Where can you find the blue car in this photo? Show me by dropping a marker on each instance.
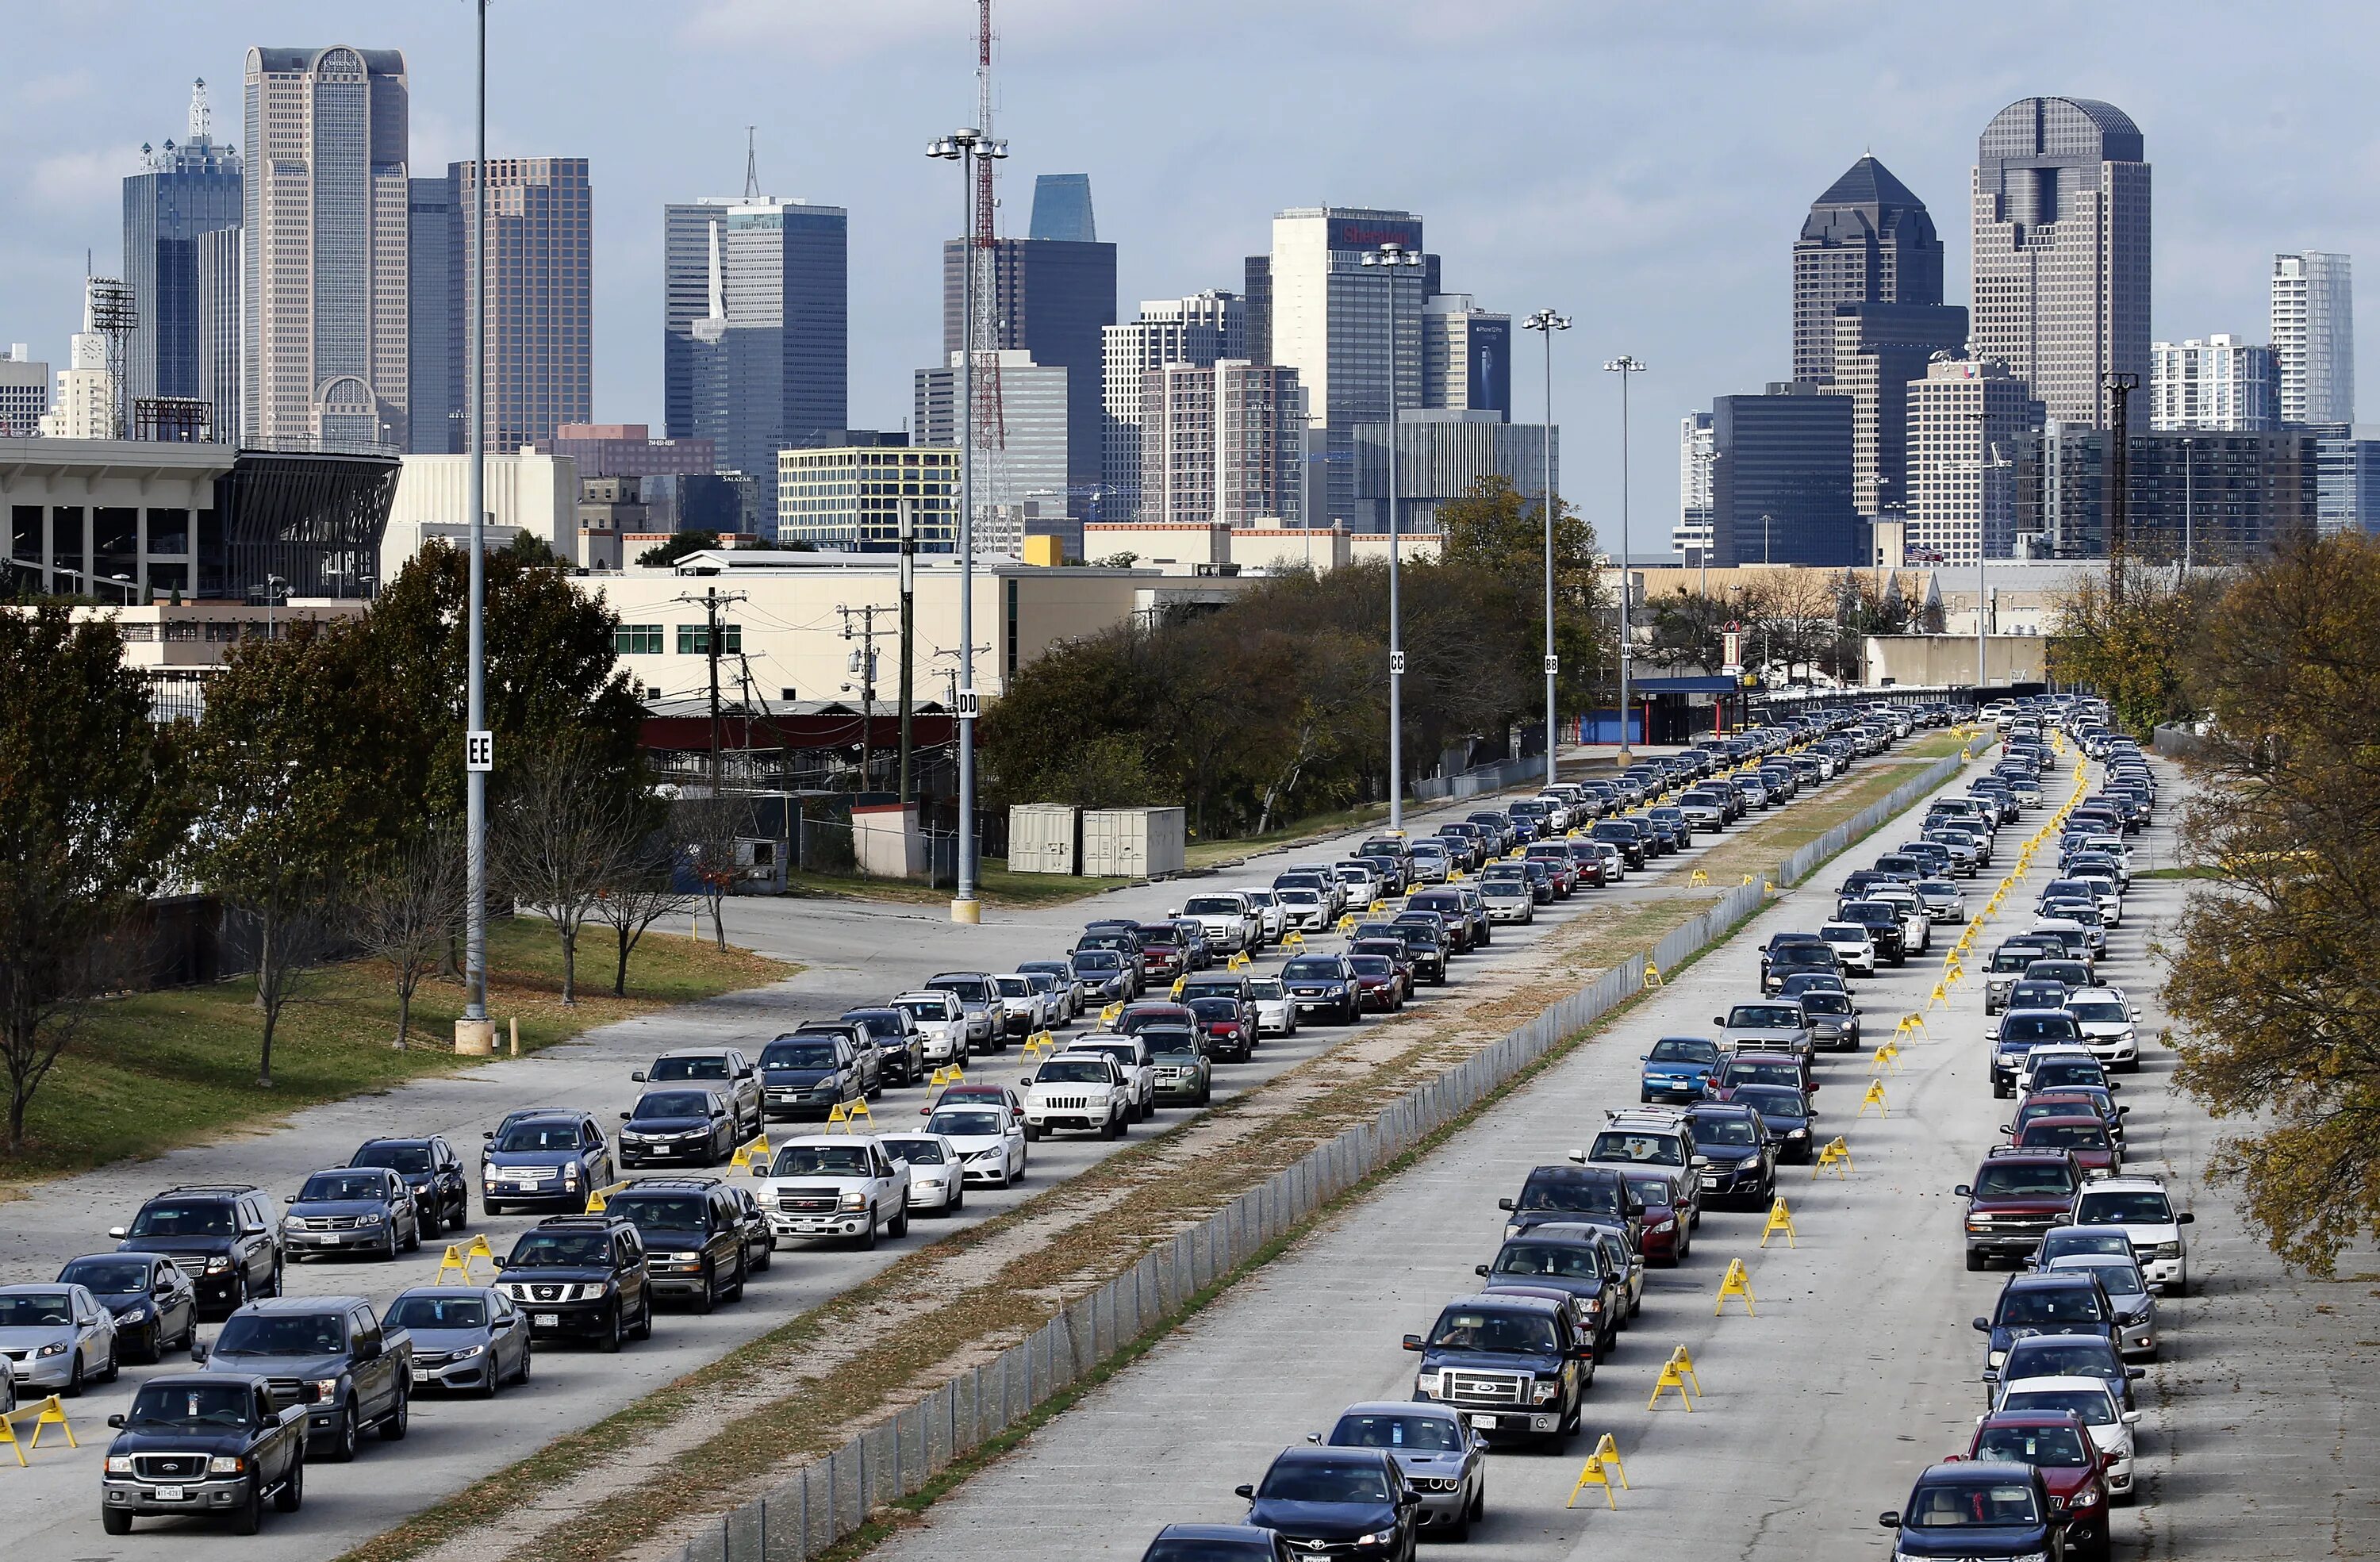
(1787, 1113)
(1679, 1068)
(1978, 1510)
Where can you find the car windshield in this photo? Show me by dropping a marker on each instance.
(560, 1250)
(1169, 1041)
(2065, 1072)
(1073, 1070)
(921, 1152)
(1268, 990)
(971, 1124)
(2050, 1304)
(325, 1187)
(820, 1160)
(2039, 1027)
(2062, 1355)
(1409, 1433)
(1972, 1506)
(107, 1277)
(1724, 1134)
(1479, 1328)
(2053, 1448)
(1763, 1017)
(674, 1104)
(709, 1066)
(207, 1217)
(880, 1022)
(2013, 959)
(1215, 1008)
(1653, 1191)
(1573, 1261)
(2065, 1240)
(2116, 1279)
(1558, 1190)
(2054, 1135)
(1371, 965)
(420, 1312)
(405, 1160)
(800, 1054)
(1843, 932)
(2096, 1406)
(1761, 1073)
(1308, 1480)
(1094, 960)
(2024, 1179)
(1773, 1101)
(940, 1009)
(1645, 1149)
(967, 987)
(1684, 1050)
(538, 1137)
(648, 1213)
(1161, 933)
(34, 1310)
(282, 1334)
(1825, 1003)
(194, 1405)
(1318, 970)
(1210, 905)
(2143, 1208)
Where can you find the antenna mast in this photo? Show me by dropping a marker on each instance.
(751, 163)
(990, 426)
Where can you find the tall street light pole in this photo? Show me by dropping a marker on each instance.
(1545, 322)
(1392, 258)
(1624, 365)
(475, 1032)
(965, 149)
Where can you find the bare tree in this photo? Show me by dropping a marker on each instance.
(570, 820)
(406, 909)
(704, 830)
(643, 890)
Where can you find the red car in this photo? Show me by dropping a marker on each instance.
(1670, 1217)
(2085, 1138)
(1590, 864)
(1398, 955)
(1376, 981)
(2059, 1447)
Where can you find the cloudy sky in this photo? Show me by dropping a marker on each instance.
(1642, 168)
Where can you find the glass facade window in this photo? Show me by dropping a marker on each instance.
(638, 640)
(694, 639)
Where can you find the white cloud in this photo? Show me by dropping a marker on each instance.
(79, 180)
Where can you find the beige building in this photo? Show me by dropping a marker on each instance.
(1934, 661)
(526, 493)
(1199, 548)
(850, 496)
(1964, 417)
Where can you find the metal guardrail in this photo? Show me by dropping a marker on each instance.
(827, 1499)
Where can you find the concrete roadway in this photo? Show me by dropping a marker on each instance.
(1859, 1368)
(853, 953)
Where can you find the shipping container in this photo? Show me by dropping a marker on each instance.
(1133, 842)
(1041, 838)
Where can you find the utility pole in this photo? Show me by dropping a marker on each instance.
(1624, 365)
(863, 662)
(711, 601)
(1545, 322)
(2119, 387)
(475, 1033)
(908, 634)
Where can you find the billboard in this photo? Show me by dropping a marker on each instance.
(1491, 366)
(1370, 233)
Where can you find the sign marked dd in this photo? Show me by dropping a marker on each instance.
(480, 752)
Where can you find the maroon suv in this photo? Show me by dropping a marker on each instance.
(2016, 1196)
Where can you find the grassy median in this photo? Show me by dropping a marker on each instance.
(154, 1072)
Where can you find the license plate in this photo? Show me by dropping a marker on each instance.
(1487, 1421)
(171, 1494)
(422, 1374)
(546, 1320)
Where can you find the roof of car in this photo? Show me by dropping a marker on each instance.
(305, 1304)
(1548, 1303)
(1221, 1532)
(1978, 1472)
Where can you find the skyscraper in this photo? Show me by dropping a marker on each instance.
(1020, 489)
(325, 290)
(1965, 419)
(757, 291)
(1330, 319)
(221, 273)
(24, 393)
(2062, 252)
(2313, 336)
(1061, 208)
(1781, 479)
(435, 345)
(1223, 444)
(1466, 357)
(1052, 298)
(1879, 348)
(1197, 329)
(1693, 537)
(186, 192)
(540, 303)
(2219, 382)
(1867, 241)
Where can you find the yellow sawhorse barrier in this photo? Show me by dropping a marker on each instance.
(1677, 1372)
(1885, 1058)
(1875, 1097)
(1652, 975)
(1735, 1282)
(1602, 1465)
(1114, 1011)
(1837, 1155)
(45, 1412)
(458, 1259)
(952, 1074)
(1780, 1218)
(597, 1200)
(1698, 879)
(1347, 922)
(1293, 940)
(753, 1150)
(1239, 960)
(839, 1120)
(1913, 1021)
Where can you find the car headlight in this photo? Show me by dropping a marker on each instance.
(1547, 1390)
(226, 1464)
(2166, 1250)
(371, 1219)
(1662, 1225)
(683, 1257)
(139, 1314)
(1378, 1537)
(326, 1388)
(218, 1265)
(1995, 1357)
(54, 1348)
(570, 1172)
(467, 1351)
(1799, 1134)
(853, 1201)
(119, 1464)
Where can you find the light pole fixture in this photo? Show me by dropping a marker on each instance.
(965, 147)
(1545, 322)
(1392, 258)
(475, 1033)
(1625, 367)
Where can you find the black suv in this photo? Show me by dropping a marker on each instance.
(583, 1276)
(1570, 1192)
(441, 1193)
(1511, 1362)
(693, 1231)
(222, 1237)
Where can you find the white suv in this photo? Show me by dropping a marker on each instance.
(2141, 1206)
(1131, 1057)
(1019, 997)
(833, 1185)
(941, 1021)
(1852, 944)
(2109, 1024)
(1642, 1138)
(1082, 1092)
(1229, 922)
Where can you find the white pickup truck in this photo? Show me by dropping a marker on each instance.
(831, 1185)
(1230, 922)
(1084, 1092)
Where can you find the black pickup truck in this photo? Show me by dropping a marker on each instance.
(329, 1354)
(204, 1444)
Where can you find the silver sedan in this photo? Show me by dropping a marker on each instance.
(1444, 1461)
(56, 1339)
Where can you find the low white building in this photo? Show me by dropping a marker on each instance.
(526, 493)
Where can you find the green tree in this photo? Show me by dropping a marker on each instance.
(2271, 971)
(2136, 651)
(680, 544)
(90, 806)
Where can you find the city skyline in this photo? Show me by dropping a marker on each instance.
(1606, 238)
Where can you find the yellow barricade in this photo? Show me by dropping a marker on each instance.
(1837, 1155)
(1672, 1376)
(1779, 1219)
(8, 1437)
(1685, 1363)
(1940, 995)
(1875, 1097)
(1602, 1465)
(753, 1149)
(1887, 1058)
(1114, 1011)
(596, 1200)
(50, 1411)
(1347, 922)
(1747, 878)
(1174, 992)
(458, 1259)
(839, 1120)
(1912, 1021)
(1652, 975)
(1697, 878)
(1376, 908)
(952, 1074)
(1293, 940)
(1735, 1282)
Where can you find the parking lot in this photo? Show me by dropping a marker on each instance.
(851, 953)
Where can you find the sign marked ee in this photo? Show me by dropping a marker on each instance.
(479, 752)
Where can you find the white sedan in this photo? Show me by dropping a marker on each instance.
(1276, 1015)
(2110, 1424)
(989, 1143)
(936, 1183)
